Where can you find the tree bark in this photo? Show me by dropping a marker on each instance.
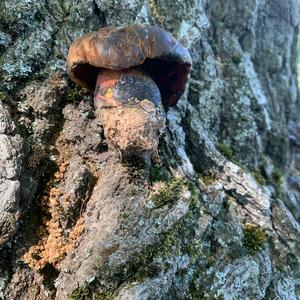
(217, 217)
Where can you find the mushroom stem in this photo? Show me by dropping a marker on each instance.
(116, 87)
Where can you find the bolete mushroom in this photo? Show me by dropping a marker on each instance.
(133, 71)
(137, 61)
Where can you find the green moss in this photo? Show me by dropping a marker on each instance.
(103, 296)
(4, 97)
(177, 241)
(82, 294)
(208, 179)
(87, 294)
(197, 293)
(172, 243)
(135, 167)
(200, 294)
(11, 219)
(236, 58)
(254, 237)
(40, 76)
(133, 162)
(276, 176)
(168, 243)
(76, 94)
(140, 266)
(157, 174)
(194, 200)
(169, 193)
(226, 151)
(41, 231)
(60, 56)
(259, 178)
(280, 268)
(135, 191)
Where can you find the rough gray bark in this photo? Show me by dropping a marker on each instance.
(77, 220)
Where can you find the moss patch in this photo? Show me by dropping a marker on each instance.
(135, 168)
(157, 174)
(157, 256)
(133, 162)
(40, 76)
(259, 178)
(208, 178)
(76, 93)
(198, 292)
(170, 192)
(236, 58)
(226, 151)
(87, 294)
(254, 238)
(276, 176)
(3, 96)
(172, 243)
(81, 293)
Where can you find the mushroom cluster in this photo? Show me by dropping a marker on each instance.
(135, 72)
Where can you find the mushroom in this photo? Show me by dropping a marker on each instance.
(134, 71)
(137, 61)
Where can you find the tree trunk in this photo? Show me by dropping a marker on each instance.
(217, 217)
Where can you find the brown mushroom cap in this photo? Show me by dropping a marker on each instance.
(117, 48)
